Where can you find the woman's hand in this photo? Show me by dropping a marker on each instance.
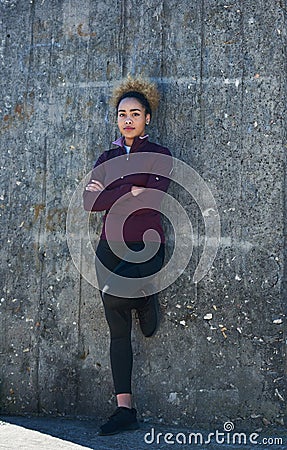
(136, 190)
(95, 186)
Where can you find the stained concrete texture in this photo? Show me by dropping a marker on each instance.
(221, 69)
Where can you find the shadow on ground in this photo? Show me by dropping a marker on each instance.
(48, 433)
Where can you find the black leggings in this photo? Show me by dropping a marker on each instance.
(118, 308)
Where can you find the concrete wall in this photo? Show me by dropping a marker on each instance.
(221, 70)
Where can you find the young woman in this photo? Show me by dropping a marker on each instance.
(128, 182)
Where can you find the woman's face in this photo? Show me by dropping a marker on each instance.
(132, 119)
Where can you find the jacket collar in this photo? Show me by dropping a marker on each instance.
(120, 142)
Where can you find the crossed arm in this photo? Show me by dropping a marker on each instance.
(97, 186)
(97, 197)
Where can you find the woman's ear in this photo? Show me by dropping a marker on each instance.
(147, 119)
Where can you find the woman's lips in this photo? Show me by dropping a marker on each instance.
(128, 128)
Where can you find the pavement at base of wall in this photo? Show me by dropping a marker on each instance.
(62, 433)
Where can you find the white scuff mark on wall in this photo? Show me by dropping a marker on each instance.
(235, 81)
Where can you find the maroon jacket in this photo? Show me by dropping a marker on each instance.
(147, 165)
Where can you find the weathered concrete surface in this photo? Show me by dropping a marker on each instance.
(221, 69)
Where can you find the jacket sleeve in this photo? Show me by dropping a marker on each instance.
(102, 200)
(159, 180)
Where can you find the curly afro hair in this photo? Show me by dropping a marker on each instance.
(142, 89)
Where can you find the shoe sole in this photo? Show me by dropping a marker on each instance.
(131, 427)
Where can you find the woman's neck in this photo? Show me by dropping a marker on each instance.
(128, 142)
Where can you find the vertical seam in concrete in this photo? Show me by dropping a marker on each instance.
(51, 49)
(202, 30)
(38, 245)
(241, 139)
(202, 113)
(162, 40)
(89, 40)
(162, 119)
(284, 138)
(122, 36)
(42, 262)
(285, 159)
(201, 142)
(78, 387)
(31, 50)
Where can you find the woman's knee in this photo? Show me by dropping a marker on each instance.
(118, 317)
(111, 302)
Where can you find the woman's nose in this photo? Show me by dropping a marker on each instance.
(128, 120)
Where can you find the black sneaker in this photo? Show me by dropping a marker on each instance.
(123, 419)
(148, 315)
